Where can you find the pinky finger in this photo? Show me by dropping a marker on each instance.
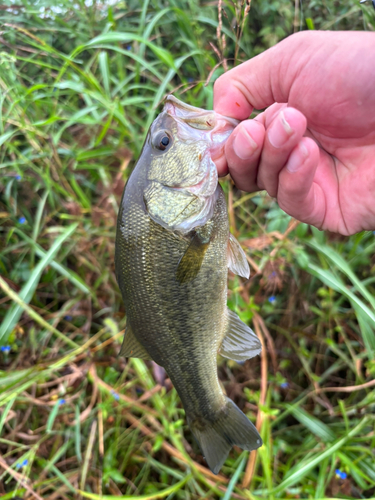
(298, 194)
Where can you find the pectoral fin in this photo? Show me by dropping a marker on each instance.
(191, 262)
(240, 343)
(131, 347)
(237, 261)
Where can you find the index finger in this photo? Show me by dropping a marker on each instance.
(245, 87)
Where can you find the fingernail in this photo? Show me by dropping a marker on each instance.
(297, 158)
(244, 145)
(280, 131)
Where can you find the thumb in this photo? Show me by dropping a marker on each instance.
(263, 80)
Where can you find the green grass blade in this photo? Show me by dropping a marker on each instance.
(38, 216)
(161, 494)
(367, 329)
(334, 282)
(6, 136)
(52, 416)
(77, 433)
(233, 481)
(312, 423)
(33, 314)
(15, 311)
(344, 267)
(63, 479)
(113, 37)
(67, 273)
(304, 469)
(5, 412)
(104, 69)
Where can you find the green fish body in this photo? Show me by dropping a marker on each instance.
(173, 250)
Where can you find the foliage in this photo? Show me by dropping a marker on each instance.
(80, 84)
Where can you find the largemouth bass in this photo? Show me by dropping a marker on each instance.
(173, 250)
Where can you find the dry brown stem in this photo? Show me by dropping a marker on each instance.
(250, 467)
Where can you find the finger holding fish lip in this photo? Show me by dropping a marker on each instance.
(283, 134)
(259, 148)
(242, 153)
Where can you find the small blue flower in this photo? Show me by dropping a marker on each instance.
(61, 401)
(18, 177)
(115, 395)
(68, 317)
(271, 299)
(284, 385)
(22, 464)
(129, 47)
(272, 275)
(22, 220)
(5, 348)
(340, 474)
(190, 80)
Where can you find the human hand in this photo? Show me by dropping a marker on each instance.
(314, 146)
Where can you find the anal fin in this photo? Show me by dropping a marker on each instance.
(131, 347)
(240, 342)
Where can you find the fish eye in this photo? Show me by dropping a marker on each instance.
(162, 141)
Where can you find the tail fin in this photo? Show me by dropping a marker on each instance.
(230, 427)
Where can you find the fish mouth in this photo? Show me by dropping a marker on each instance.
(197, 124)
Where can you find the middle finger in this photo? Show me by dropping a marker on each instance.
(282, 135)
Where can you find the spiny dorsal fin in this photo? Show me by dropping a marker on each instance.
(240, 342)
(237, 261)
(191, 262)
(131, 347)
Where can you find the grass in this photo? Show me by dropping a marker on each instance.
(79, 87)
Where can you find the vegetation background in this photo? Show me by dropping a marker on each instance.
(80, 84)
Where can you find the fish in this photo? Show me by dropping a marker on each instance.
(172, 254)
